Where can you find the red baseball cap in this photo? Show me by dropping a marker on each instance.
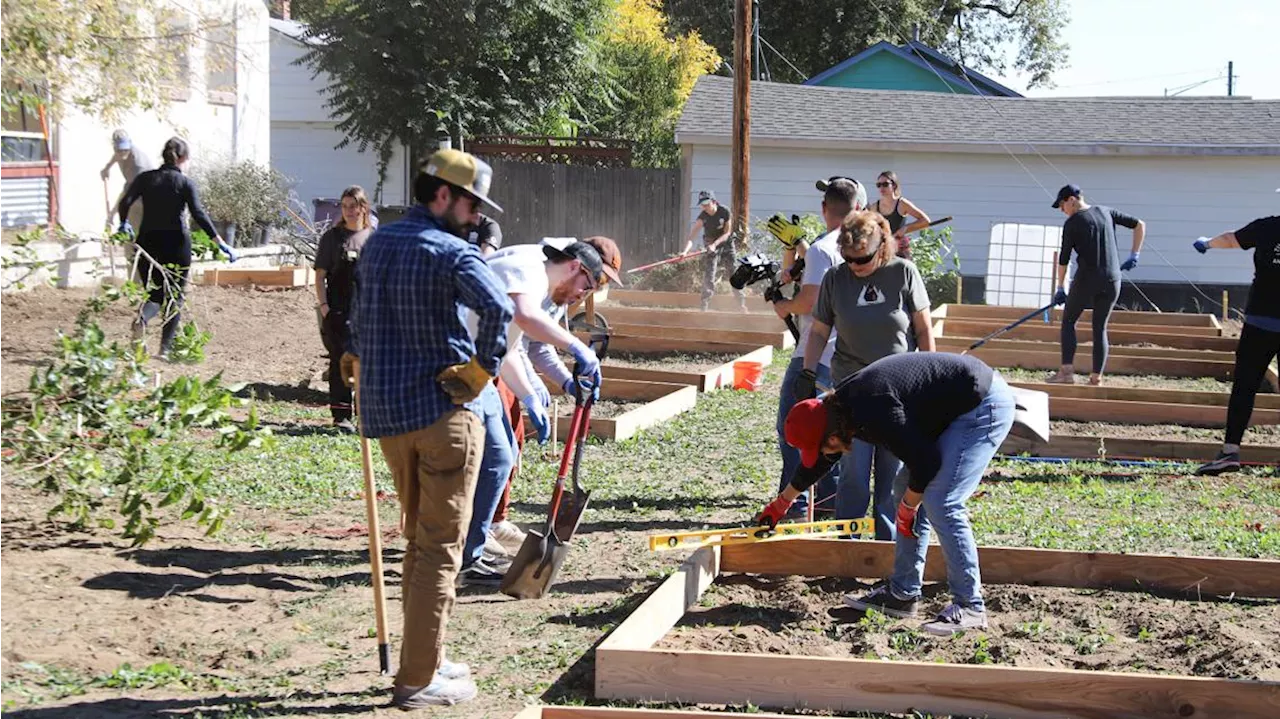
(805, 429)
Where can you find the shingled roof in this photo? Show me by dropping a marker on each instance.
(809, 116)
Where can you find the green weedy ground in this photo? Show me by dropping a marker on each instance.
(713, 466)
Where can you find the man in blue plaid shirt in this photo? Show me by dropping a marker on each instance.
(421, 382)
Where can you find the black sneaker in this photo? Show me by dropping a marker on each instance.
(479, 574)
(1224, 462)
(881, 599)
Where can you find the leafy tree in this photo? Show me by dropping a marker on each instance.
(987, 35)
(399, 73)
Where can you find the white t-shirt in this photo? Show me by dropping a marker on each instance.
(821, 256)
(521, 270)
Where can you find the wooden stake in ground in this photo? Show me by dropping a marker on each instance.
(1225, 306)
(741, 119)
(375, 543)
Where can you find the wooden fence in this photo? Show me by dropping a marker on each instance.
(641, 209)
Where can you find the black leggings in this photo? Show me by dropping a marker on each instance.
(1101, 294)
(1255, 351)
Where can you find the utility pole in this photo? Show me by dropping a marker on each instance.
(1231, 77)
(741, 116)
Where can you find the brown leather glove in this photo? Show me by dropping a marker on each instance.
(350, 366)
(464, 382)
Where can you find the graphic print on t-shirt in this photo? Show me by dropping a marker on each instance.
(870, 296)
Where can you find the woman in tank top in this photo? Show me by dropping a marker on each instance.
(896, 209)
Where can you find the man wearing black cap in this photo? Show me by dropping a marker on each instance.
(713, 220)
(1090, 232)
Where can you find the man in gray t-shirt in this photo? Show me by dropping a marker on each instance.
(133, 162)
(871, 315)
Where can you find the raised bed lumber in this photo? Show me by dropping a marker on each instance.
(668, 317)
(1127, 412)
(629, 343)
(1070, 446)
(279, 277)
(664, 401)
(949, 344)
(1118, 317)
(721, 303)
(1051, 359)
(1187, 338)
(705, 381)
(779, 339)
(568, 712)
(629, 668)
(1143, 394)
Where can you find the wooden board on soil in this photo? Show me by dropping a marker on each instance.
(704, 370)
(626, 407)
(1029, 626)
(1118, 317)
(722, 303)
(1119, 336)
(1144, 381)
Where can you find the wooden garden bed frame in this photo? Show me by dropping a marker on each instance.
(629, 343)
(664, 401)
(669, 317)
(959, 344)
(721, 303)
(1118, 318)
(1162, 336)
(1071, 446)
(284, 276)
(629, 667)
(720, 377)
(1049, 358)
(1134, 405)
(575, 712)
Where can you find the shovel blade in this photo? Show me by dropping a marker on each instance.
(570, 515)
(535, 567)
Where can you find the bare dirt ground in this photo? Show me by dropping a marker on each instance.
(1029, 627)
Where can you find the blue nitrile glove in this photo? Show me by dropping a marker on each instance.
(537, 414)
(587, 364)
(571, 385)
(1060, 297)
(540, 389)
(226, 250)
(1201, 245)
(125, 228)
(1130, 263)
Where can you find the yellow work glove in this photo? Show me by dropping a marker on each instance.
(788, 233)
(464, 382)
(350, 366)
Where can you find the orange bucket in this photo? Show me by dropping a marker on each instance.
(748, 375)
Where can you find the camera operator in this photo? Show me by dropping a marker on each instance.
(841, 195)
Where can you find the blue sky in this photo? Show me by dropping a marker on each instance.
(1141, 47)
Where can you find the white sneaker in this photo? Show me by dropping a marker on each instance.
(494, 548)
(507, 533)
(440, 692)
(453, 670)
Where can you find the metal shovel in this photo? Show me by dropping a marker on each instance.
(538, 562)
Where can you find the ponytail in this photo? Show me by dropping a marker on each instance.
(175, 151)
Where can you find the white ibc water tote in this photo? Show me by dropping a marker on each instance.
(1020, 269)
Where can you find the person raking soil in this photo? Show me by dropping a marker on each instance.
(945, 415)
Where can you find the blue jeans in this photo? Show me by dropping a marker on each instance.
(825, 487)
(495, 468)
(967, 445)
(854, 495)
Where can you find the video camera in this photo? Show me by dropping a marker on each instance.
(756, 267)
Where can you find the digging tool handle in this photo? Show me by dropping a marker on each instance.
(668, 261)
(791, 326)
(576, 425)
(375, 543)
(935, 223)
(582, 442)
(1007, 327)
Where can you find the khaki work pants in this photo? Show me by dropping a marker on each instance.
(435, 471)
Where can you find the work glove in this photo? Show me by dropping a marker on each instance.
(226, 250)
(350, 368)
(773, 512)
(464, 382)
(1130, 263)
(1201, 245)
(536, 411)
(788, 233)
(587, 364)
(540, 389)
(806, 385)
(125, 229)
(907, 517)
(1060, 297)
(573, 385)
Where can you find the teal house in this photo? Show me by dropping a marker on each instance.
(912, 66)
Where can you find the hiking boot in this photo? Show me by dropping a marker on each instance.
(493, 548)
(453, 670)
(480, 574)
(345, 426)
(1224, 462)
(955, 619)
(509, 535)
(882, 599)
(440, 692)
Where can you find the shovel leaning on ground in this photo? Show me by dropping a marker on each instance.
(538, 562)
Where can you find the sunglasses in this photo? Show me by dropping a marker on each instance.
(865, 258)
(591, 281)
(883, 185)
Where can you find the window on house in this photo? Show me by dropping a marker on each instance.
(220, 62)
(21, 139)
(173, 31)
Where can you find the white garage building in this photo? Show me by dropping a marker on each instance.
(1187, 166)
(304, 136)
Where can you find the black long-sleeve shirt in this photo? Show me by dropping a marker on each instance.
(1092, 234)
(904, 402)
(165, 192)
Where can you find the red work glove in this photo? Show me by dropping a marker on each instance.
(907, 519)
(773, 512)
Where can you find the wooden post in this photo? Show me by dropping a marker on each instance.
(1225, 306)
(741, 117)
(959, 288)
(591, 310)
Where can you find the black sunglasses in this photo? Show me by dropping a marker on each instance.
(865, 258)
(884, 184)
